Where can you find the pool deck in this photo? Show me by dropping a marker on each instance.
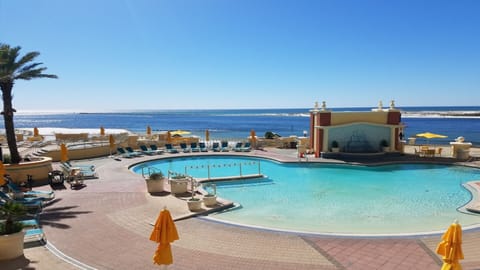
(107, 223)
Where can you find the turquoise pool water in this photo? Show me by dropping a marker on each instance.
(339, 199)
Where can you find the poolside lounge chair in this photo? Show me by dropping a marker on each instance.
(5, 197)
(36, 205)
(48, 195)
(155, 148)
(133, 152)
(89, 167)
(33, 235)
(170, 148)
(238, 147)
(194, 147)
(246, 147)
(225, 147)
(185, 148)
(203, 147)
(147, 151)
(86, 172)
(216, 147)
(123, 153)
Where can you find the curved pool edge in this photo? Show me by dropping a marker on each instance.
(468, 228)
(473, 206)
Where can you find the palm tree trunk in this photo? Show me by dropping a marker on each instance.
(8, 118)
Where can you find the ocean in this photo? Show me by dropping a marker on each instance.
(236, 123)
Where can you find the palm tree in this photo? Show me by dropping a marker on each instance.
(12, 69)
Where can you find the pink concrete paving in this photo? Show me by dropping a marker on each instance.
(106, 225)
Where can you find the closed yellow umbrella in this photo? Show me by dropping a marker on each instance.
(164, 232)
(2, 173)
(63, 153)
(253, 137)
(169, 137)
(35, 132)
(451, 248)
(111, 141)
(102, 131)
(149, 130)
(207, 135)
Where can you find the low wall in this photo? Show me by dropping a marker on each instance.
(39, 170)
(82, 153)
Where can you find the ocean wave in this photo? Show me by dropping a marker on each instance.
(441, 114)
(266, 114)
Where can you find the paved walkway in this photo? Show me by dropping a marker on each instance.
(106, 225)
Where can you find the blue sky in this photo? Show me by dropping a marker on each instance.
(198, 54)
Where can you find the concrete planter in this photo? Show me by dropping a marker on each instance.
(194, 205)
(11, 246)
(178, 186)
(335, 149)
(210, 200)
(155, 185)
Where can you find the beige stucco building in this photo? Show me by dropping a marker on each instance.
(355, 132)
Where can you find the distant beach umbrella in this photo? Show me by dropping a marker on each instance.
(63, 153)
(429, 135)
(3, 171)
(207, 135)
(102, 131)
(451, 247)
(164, 232)
(35, 132)
(149, 130)
(179, 132)
(169, 137)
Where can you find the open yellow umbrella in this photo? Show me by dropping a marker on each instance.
(179, 132)
(35, 132)
(451, 247)
(164, 232)
(63, 153)
(149, 130)
(2, 173)
(207, 135)
(102, 131)
(429, 135)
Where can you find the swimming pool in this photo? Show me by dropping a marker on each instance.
(337, 199)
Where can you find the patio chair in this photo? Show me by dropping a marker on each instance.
(35, 205)
(133, 152)
(216, 147)
(246, 147)
(185, 148)
(123, 153)
(224, 147)
(86, 172)
(194, 147)
(170, 148)
(155, 148)
(48, 195)
(238, 147)
(34, 235)
(203, 147)
(147, 151)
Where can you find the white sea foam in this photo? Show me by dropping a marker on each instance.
(51, 131)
